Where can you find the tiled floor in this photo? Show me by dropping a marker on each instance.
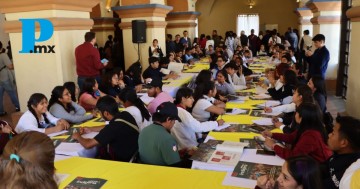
(334, 105)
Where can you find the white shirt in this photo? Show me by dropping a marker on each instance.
(209, 42)
(307, 42)
(199, 111)
(276, 41)
(237, 82)
(135, 112)
(286, 108)
(27, 122)
(184, 131)
(348, 175)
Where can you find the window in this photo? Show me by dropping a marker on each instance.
(246, 22)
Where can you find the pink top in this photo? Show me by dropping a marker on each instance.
(159, 99)
(82, 102)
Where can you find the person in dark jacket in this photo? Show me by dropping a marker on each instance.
(317, 85)
(345, 142)
(290, 81)
(319, 59)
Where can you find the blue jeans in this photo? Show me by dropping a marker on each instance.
(82, 79)
(7, 86)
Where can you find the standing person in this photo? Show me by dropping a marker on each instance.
(178, 45)
(292, 38)
(202, 41)
(28, 162)
(244, 40)
(186, 39)
(155, 50)
(229, 41)
(304, 45)
(216, 38)
(319, 59)
(170, 44)
(118, 139)
(6, 82)
(253, 42)
(88, 63)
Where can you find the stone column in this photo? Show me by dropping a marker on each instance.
(37, 72)
(182, 17)
(154, 14)
(353, 90)
(305, 15)
(326, 20)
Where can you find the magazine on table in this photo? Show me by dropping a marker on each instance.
(235, 128)
(237, 111)
(252, 171)
(88, 183)
(219, 152)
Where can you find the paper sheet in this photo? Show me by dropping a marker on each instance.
(57, 133)
(176, 67)
(269, 103)
(69, 149)
(265, 121)
(225, 125)
(261, 96)
(90, 135)
(236, 111)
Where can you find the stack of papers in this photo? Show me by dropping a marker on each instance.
(69, 149)
(265, 121)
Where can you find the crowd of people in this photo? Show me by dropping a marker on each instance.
(167, 130)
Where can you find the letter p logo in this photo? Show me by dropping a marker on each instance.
(28, 33)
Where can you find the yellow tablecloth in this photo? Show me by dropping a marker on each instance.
(198, 67)
(138, 176)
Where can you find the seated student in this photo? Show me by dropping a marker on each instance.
(73, 90)
(203, 77)
(297, 68)
(222, 83)
(220, 64)
(275, 59)
(156, 145)
(238, 82)
(309, 139)
(345, 143)
(155, 90)
(153, 71)
(300, 172)
(210, 51)
(61, 106)
(302, 94)
(350, 178)
(178, 55)
(28, 162)
(262, 51)
(184, 131)
(285, 93)
(292, 55)
(171, 57)
(90, 94)
(205, 103)
(188, 54)
(198, 53)
(6, 134)
(246, 71)
(118, 139)
(247, 57)
(120, 74)
(37, 118)
(133, 78)
(317, 85)
(110, 84)
(136, 107)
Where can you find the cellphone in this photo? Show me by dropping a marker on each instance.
(265, 152)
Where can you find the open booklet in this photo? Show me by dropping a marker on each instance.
(245, 174)
(88, 183)
(219, 152)
(235, 128)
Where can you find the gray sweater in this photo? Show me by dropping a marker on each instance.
(76, 116)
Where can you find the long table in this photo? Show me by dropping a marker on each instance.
(138, 176)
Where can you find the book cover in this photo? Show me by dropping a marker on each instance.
(256, 113)
(252, 171)
(205, 150)
(260, 128)
(57, 142)
(88, 183)
(245, 93)
(71, 132)
(237, 111)
(253, 144)
(236, 128)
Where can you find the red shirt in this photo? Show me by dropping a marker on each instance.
(310, 143)
(88, 62)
